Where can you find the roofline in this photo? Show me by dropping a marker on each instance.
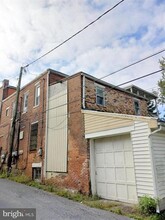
(101, 82)
(111, 85)
(37, 78)
(57, 72)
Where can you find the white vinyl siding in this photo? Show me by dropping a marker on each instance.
(158, 146)
(142, 159)
(57, 129)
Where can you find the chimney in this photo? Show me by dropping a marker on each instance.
(5, 83)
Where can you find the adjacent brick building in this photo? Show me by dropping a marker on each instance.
(50, 131)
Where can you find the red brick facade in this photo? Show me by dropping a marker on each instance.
(32, 115)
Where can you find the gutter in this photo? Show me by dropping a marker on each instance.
(83, 92)
(156, 131)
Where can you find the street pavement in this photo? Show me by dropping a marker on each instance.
(48, 206)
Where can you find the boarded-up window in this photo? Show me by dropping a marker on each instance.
(33, 136)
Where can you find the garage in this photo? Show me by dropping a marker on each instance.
(114, 168)
(127, 155)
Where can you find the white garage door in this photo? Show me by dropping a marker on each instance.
(114, 169)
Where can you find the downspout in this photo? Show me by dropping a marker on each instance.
(154, 167)
(46, 124)
(42, 120)
(83, 93)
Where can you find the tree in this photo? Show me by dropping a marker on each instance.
(161, 91)
(161, 83)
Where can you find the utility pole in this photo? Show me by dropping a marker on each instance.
(12, 131)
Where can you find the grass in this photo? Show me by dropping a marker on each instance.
(131, 211)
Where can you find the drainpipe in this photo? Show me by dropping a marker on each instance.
(46, 124)
(83, 93)
(154, 167)
(156, 131)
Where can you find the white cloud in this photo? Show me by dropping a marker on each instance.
(131, 31)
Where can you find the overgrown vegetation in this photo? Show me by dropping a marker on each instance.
(147, 205)
(144, 211)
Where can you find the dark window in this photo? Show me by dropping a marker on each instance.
(33, 136)
(36, 172)
(137, 107)
(99, 96)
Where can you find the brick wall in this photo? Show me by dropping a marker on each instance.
(33, 114)
(5, 122)
(115, 101)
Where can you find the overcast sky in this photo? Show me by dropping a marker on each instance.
(133, 30)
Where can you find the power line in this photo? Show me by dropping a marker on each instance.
(132, 64)
(78, 32)
(141, 77)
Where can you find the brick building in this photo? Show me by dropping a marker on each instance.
(30, 123)
(50, 129)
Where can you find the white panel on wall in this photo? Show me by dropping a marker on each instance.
(57, 128)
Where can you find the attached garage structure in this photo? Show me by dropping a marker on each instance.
(114, 168)
(127, 156)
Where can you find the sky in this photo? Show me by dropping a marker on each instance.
(130, 32)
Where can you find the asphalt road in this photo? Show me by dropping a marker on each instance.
(48, 207)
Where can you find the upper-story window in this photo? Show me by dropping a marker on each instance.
(25, 102)
(37, 95)
(7, 111)
(100, 99)
(137, 107)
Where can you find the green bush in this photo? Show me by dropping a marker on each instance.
(147, 205)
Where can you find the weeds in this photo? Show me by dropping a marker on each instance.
(145, 210)
(147, 205)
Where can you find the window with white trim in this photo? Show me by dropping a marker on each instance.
(25, 102)
(137, 107)
(100, 99)
(37, 95)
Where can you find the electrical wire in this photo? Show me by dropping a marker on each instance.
(132, 64)
(141, 77)
(78, 32)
